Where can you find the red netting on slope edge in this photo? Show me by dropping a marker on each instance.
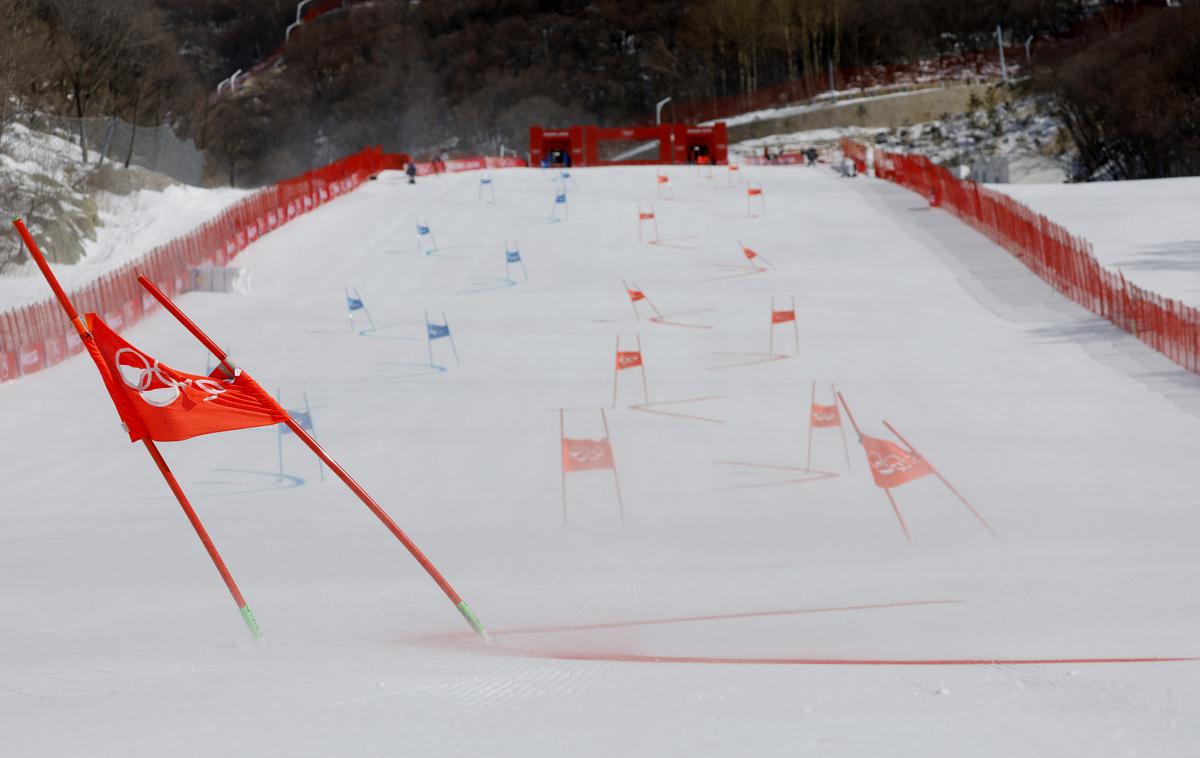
(38, 335)
(1061, 259)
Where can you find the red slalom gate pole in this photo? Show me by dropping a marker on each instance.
(616, 369)
(849, 415)
(841, 426)
(811, 403)
(896, 510)
(632, 302)
(887, 491)
(202, 533)
(616, 479)
(945, 481)
(52, 280)
(771, 340)
(80, 327)
(645, 385)
(562, 441)
(342, 474)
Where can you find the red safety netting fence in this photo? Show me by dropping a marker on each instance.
(35, 336)
(1063, 260)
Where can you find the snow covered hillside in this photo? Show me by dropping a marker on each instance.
(1147, 229)
(748, 606)
(106, 215)
(1021, 138)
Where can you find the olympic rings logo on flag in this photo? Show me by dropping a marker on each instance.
(894, 463)
(824, 415)
(143, 377)
(587, 453)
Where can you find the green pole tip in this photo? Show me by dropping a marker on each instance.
(251, 622)
(474, 621)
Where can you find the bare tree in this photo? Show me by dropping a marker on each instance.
(86, 44)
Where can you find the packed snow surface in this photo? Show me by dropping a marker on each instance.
(747, 608)
(1146, 229)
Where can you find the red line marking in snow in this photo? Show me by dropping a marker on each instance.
(459, 636)
(663, 319)
(712, 617)
(664, 243)
(763, 465)
(635, 658)
(763, 358)
(815, 475)
(464, 639)
(727, 488)
(735, 276)
(647, 409)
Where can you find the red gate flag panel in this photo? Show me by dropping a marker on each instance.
(645, 215)
(892, 465)
(750, 254)
(159, 403)
(587, 455)
(628, 359)
(779, 317)
(636, 295)
(825, 416)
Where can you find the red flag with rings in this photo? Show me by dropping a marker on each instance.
(636, 295)
(779, 317)
(825, 416)
(159, 403)
(892, 465)
(628, 359)
(586, 455)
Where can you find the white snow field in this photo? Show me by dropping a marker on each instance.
(746, 610)
(1147, 229)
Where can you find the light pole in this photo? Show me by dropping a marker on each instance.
(658, 110)
(1000, 44)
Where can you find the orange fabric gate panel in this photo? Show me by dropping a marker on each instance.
(628, 359)
(586, 455)
(892, 465)
(157, 402)
(823, 416)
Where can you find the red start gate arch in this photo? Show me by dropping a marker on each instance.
(608, 146)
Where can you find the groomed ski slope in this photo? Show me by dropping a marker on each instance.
(689, 633)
